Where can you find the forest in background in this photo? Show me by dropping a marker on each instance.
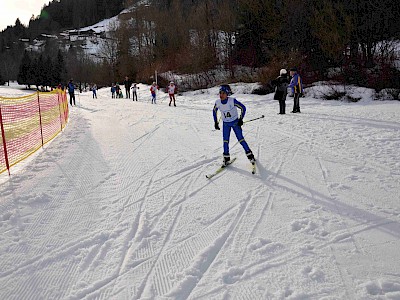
(349, 41)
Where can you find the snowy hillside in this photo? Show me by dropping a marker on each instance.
(118, 206)
(91, 39)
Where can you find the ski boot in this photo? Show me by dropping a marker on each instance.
(226, 161)
(251, 157)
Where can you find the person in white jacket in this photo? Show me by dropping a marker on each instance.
(171, 92)
(134, 89)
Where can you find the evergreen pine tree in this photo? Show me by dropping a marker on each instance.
(24, 69)
(48, 74)
(59, 70)
(1, 79)
(39, 71)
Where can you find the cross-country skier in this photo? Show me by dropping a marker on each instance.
(153, 89)
(171, 92)
(134, 89)
(113, 89)
(231, 120)
(94, 90)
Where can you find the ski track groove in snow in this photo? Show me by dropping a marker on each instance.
(158, 276)
(337, 153)
(218, 245)
(126, 249)
(135, 226)
(346, 280)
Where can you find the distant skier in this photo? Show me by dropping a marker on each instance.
(118, 90)
(281, 83)
(94, 90)
(134, 89)
(71, 91)
(231, 120)
(171, 92)
(113, 90)
(296, 85)
(153, 90)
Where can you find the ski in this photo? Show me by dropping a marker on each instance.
(220, 169)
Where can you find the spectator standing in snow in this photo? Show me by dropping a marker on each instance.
(153, 90)
(71, 91)
(281, 83)
(127, 83)
(171, 92)
(94, 90)
(231, 120)
(113, 90)
(296, 85)
(117, 90)
(134, 91)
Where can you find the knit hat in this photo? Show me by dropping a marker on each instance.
(225, 88)
(282, 72)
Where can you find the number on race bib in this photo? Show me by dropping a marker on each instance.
(227, 115)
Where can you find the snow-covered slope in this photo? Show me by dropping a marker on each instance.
(118, 206)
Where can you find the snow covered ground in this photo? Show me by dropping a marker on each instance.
(118, 206)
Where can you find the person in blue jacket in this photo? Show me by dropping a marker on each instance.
(296, 84)
(71, 91)
(113, 89)
(228, 106)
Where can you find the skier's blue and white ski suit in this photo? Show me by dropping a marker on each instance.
(229, 112)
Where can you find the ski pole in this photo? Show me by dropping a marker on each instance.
(253, 119)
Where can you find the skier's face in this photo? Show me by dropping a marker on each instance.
(222, 95)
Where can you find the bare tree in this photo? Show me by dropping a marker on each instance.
(108, 53)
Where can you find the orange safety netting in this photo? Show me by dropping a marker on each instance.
(29, 122)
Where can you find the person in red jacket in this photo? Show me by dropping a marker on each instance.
(153, 90)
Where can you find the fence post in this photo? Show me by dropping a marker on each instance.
(4, 142)
(59, 107)
(40, 118)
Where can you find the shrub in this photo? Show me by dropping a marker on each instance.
(333, 95)
(353, 99)
(388, 94)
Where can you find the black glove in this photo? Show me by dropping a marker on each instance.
(216, 126)
(240, 122)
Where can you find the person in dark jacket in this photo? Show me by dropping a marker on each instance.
(296, 85)
(113, 90)
(127, 83)
(71, 91)
(281, 85)
(117, 90)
